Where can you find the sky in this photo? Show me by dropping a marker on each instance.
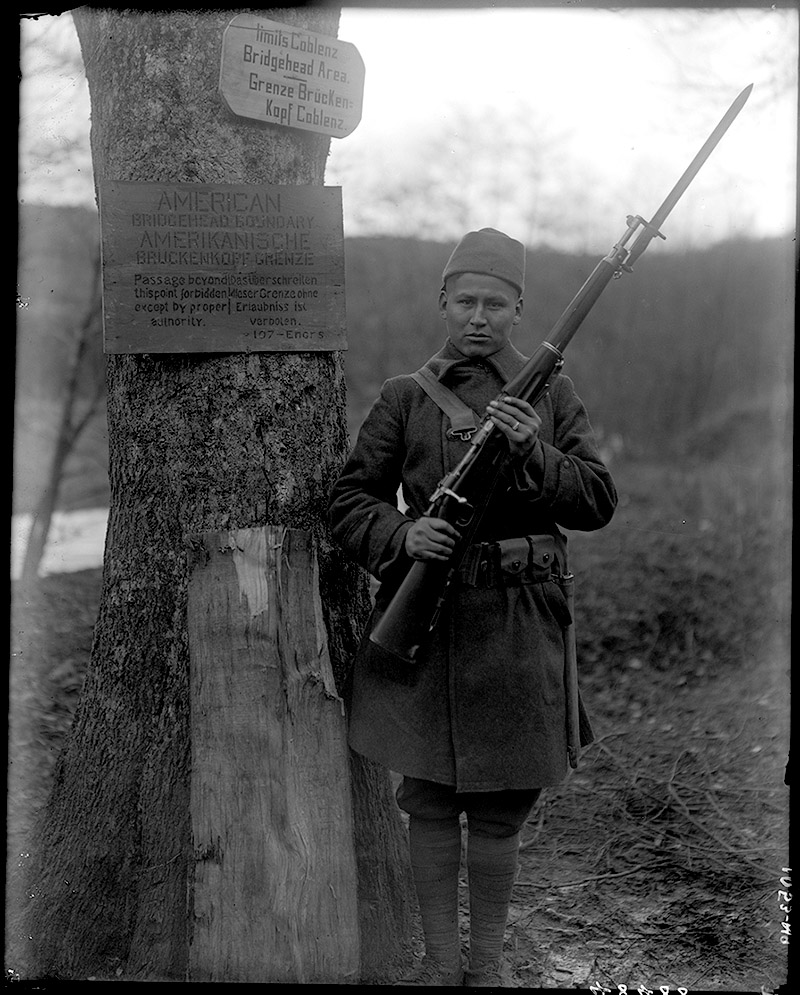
(553, 123)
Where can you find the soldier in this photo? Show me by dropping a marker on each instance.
(479, 727)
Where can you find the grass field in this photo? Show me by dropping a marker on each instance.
(658, 861)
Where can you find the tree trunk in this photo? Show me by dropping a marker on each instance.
(274, 877)
(197, 444)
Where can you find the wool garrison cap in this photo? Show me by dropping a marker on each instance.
(490, 252)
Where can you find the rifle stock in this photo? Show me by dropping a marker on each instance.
(412, 613)
(462, 495)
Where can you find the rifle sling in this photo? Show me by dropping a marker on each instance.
(463, 420)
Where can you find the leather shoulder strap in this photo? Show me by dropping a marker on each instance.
(463, 421)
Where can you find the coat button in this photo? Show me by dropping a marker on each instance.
(516, 565)
(545, 558)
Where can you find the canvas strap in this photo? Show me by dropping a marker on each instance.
(463, 420)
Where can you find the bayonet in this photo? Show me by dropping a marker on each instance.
(652, 229)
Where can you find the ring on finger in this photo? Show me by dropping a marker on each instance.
(515, 426)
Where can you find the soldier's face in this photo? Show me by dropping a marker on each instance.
(480, 312)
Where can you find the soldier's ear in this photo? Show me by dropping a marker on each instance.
(442, 303)
(518, 311)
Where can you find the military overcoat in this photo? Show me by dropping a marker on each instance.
(486, 707)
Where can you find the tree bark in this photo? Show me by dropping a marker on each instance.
(197, 444)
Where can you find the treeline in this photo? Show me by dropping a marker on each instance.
(690, 349)
(692, 352)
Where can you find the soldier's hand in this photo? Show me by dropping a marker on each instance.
(431, 539)
(518, 422)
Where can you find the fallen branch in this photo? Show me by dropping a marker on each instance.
(729, 849)
(596, 877)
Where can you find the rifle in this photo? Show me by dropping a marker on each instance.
(462, 495)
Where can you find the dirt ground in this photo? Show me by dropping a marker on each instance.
(658, 864)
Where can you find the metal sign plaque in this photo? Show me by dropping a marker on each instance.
(190, 267)
(286, 75)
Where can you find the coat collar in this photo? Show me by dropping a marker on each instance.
(507, 362)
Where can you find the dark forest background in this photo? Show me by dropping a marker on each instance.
(688, 357)
(678, 357)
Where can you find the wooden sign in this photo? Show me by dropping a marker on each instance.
(189, 267)
(286, 75)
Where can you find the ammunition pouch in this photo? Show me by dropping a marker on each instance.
(530, 559)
